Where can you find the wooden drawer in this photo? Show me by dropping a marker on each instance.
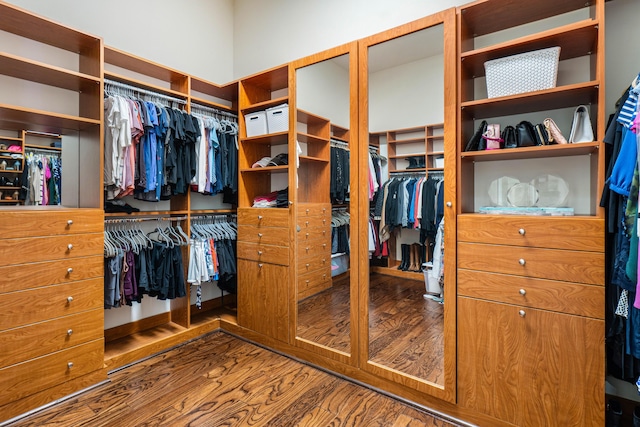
(313, 222)
(563, 297)
(314, 263)
(312, 283)
(36, 305)
(273, 217)
(267, 236)
(35, 275)
(314, 209)
(313, 248)
(575, 233)
(26, 378)
(264, 253)
(34, 223)
(35, 249)
(28, 342)
(314, 233)
(569, 266)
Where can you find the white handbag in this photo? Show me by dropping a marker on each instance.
(581, 130)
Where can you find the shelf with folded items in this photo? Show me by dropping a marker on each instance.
(266, 169)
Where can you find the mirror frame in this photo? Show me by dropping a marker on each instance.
(446, 391)
(352, 50)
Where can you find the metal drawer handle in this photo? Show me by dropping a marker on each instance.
(307, 248)
(259, 265)
(69, 332)
(307, 210)
(307, 223)
(308, 282)
(324, 245)
(308, 265)
(522, 313)
(259, 234)
(449, 204)
(259, 252)
(259, 217)
(70, 222)
(522, 231)
(70, 365)
(523, 292)
(522, 261)
(69, 299)
(307, 235)
(69, 270)
(69, 246)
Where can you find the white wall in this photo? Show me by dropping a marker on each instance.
(195, 36)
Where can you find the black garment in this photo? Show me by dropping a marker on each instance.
(228, 274)
(340, 170)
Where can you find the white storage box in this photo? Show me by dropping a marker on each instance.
(431, 284)
(525, 72)
(278, 118)
(256, 123)
(339, 264)
(438, 162)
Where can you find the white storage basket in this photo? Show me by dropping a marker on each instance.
(278, 118)
(256, 123)
(525, 72)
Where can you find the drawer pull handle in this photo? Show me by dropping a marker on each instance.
(522, 261)
(70, 365)
(324, 210)
(259, 252)
(522, 231)
(324, 276)
(69, 299)
(308, 265)
(259, 217)
(259, 234)
(308, 281)
(522, 313)
(307, 210)
(324, 245)
(307, 235)
(449, 204)
(307, 223)
(324, 221)
(523, 292)
(324, 260)
(69, 270)
(69, 246)
(307, 249)
(69, 332)
(69, 222)
(259, 265)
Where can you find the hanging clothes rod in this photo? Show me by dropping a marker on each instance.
(338, 144)
(206, 109)
(132, 220)
(137, 90)
(408, 174)
(43, 150)
(215, 216)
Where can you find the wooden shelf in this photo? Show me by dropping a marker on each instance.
(575, 40)
(408, 171)
(279, 138)
(393, 271)
(270, 80)
(259, 106)
(404, 156)
(10, 138)
(406, 141)
(313, 159)
(206, 103)
(144, 85)
(543, 100)
(307, 138)
(144, 214)
(18, 118)
(138, 65)
(270, 169)
(538, 152)
(310, 118)
(228, 92)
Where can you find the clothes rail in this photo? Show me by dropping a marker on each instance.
(213, 216)
(43, 150)
(112, 84)
(205, 109)
(133, 220)
(338, 144)
(408, 174)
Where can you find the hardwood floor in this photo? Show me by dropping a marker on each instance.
(219, 380)
(406, 331)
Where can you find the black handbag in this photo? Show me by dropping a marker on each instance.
(477, 142)
(509, 137)
(526, 134)
(542, 136)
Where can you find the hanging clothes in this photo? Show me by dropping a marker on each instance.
(40, 181)
(340, 172)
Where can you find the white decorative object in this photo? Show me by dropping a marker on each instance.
(525, 72)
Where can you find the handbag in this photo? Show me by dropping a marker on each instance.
(542, 136)
(477, 142)
(555, 136)
(525, 134)
(493, 140)
(581, 130)
(509, 137)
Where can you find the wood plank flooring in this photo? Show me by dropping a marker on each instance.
(219, 380)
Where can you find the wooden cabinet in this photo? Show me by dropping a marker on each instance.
(51, 324)
(313, 251)
(416, 149)
(531, 288)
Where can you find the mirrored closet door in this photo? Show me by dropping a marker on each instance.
(325, 149)
(407, 204)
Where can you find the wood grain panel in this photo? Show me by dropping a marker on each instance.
(264, 217)
(563, 297)
(263, 298)
(580, 234)
(312, 222)
(313, 209)
(35, 249)
(570, 266)
(263, 235)
(313, 233)
(36, 223)
(36, 305)
(49, 273)
(264, 253)
(28, 342)
(313, 248)
(490, 346)
(21, 380)
(313, 283)
(314, 262)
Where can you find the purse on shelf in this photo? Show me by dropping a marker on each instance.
(492, 137)
(509, 137)
(476, 142)
(581, 130)
(555, 135)
(525, 134)
(541, 134)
